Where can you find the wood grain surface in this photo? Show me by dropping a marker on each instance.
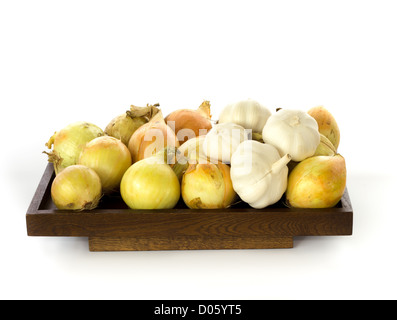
(187, 243)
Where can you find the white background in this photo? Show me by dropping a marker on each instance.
(64, 61)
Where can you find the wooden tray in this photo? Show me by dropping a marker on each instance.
(114, 227)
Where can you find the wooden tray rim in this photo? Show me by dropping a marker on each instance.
(83, 223)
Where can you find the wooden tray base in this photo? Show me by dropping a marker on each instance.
(187, 243)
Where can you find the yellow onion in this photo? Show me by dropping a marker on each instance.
(76, 188)
(109, 157)
(150, 184)
(67, 143)
(207, 185)
(317, 182)
(123, 126)
(151, 138)
(188, 123)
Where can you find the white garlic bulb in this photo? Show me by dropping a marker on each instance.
(222, 140)
(259, 175)
(249, 114)
(292, 132)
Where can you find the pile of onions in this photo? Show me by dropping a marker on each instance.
(110, 159)
(207, 185)
(151, 138)
(76, 188)
(123, 126)
(151, 184)
(189, 123)
(67, 143)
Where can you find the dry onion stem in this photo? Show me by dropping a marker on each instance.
(123, 126)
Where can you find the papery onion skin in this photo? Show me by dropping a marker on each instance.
(325, 148)
(188, 123)
(68, 143)
(207, 186)
(77, 187)
(150, 185)
(327, 124)
(110, 159)
(317, 182)
(123, 126)
(151, 138)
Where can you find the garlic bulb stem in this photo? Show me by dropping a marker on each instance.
(294, 121)
(277, 166)
(280, 164)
